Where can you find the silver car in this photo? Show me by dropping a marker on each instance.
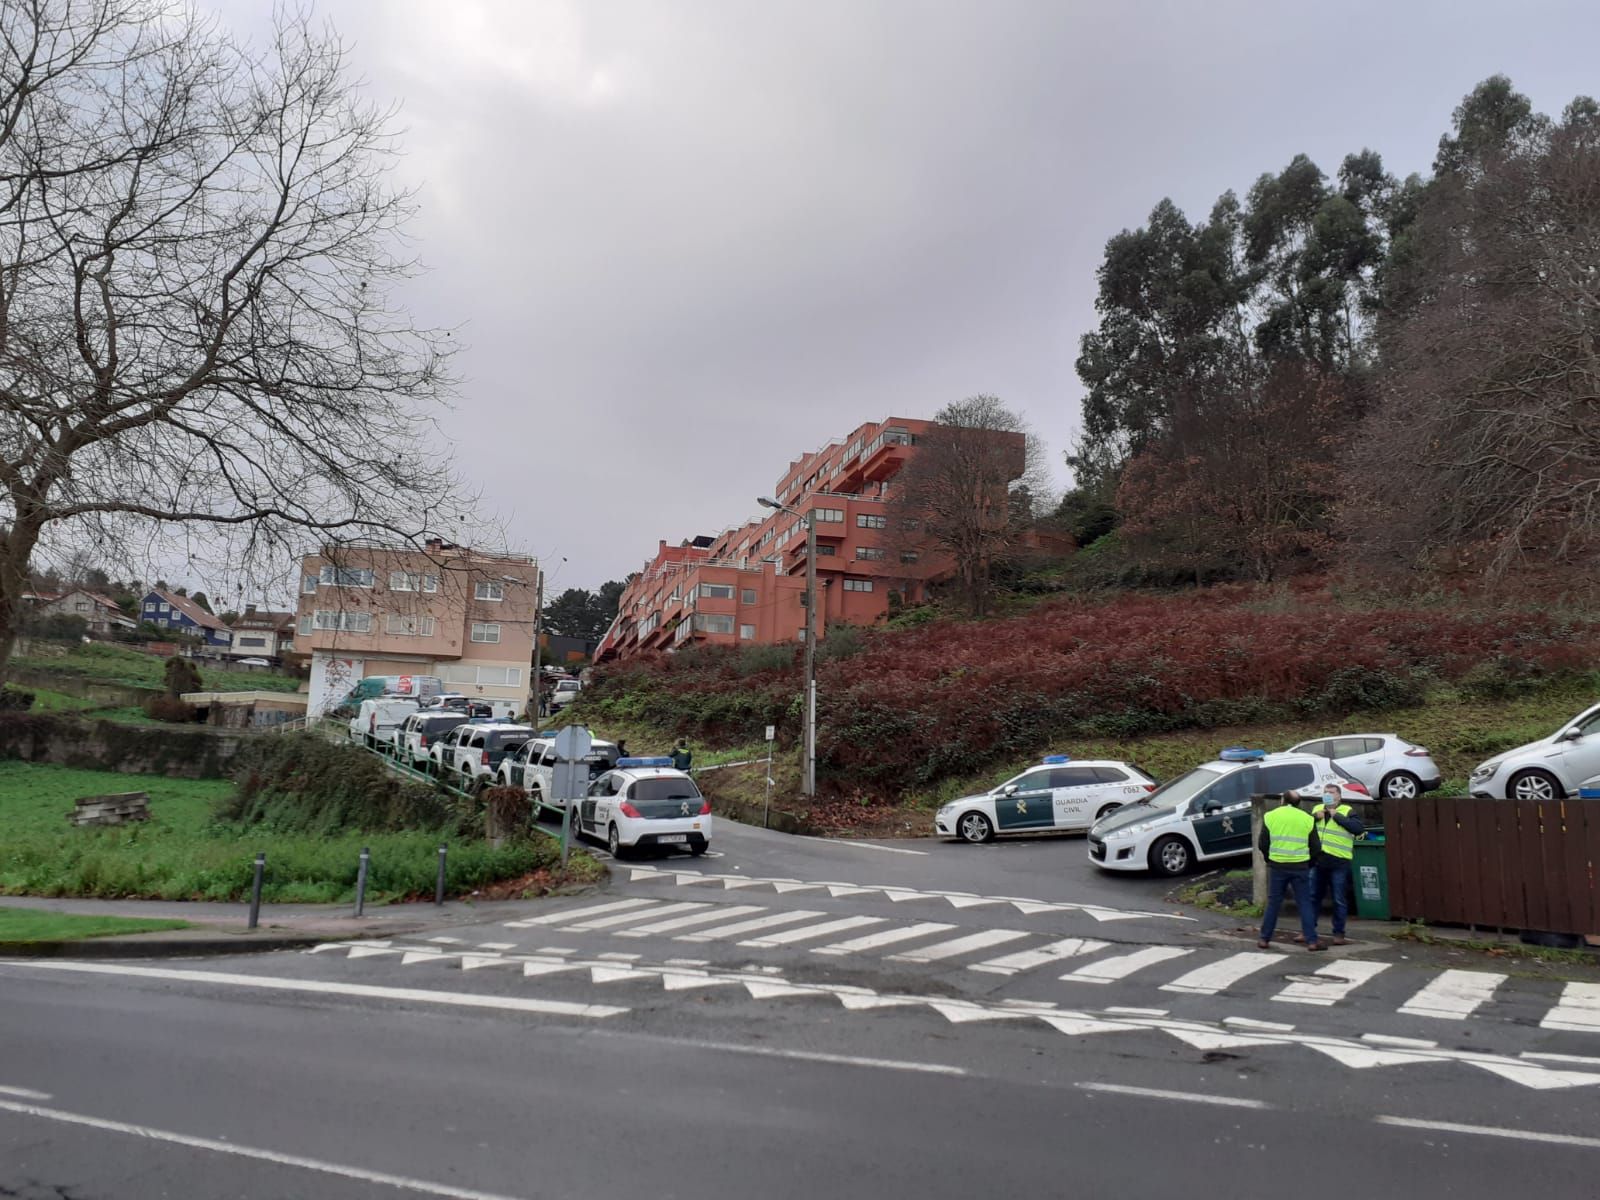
(1548, 769)
(1391, 767)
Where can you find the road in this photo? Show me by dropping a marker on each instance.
(795, 1018)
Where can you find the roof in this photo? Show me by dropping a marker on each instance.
(189, 609)
(264, 620)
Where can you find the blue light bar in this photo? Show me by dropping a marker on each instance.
(644, 762)
(1055, 760)
(1240, 754)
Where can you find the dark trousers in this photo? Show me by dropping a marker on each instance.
(1299, 884)
(1334, 877)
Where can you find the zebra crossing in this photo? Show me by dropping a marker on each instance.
(1202, 971)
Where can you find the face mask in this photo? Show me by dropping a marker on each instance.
(1330, 800)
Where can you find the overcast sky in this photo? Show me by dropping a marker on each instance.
(685, 242)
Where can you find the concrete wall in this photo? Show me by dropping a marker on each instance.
(176, 751)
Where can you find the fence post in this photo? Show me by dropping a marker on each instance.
(438, 888)
(1258, 863)
(361, 880)
(255, 890)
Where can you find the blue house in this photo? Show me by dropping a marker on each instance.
(182, 615)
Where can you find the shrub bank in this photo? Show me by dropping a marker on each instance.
(177, 752)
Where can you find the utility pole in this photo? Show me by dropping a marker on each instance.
(809, 781)
(538, 624)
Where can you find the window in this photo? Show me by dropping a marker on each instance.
(308, 585)
(358, 577)
(251, 642)
(910, 524)
(717, 591)
(401, 626)
(1110, 775)
(747, 595)
(909, 556)
(305, 624)
(482, 632)
(713, 623)
(489, 590)
(868, 521)
(165, 607)
(81, 606)
(1285, 777)
(1070, 777)
(869, 553)
(150, 606)
(827, 551)
(747, 633)
(831, 515)
(412, 581)
(344, 622)
(1346, 748)
(499, 676)
(858, 585)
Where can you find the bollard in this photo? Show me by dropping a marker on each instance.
(361, 881)
(255, 891)
(438, 887)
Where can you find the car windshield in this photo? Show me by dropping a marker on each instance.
(673, 787)
(505, 741)
(1176, 792)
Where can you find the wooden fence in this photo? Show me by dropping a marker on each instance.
(1508, 864)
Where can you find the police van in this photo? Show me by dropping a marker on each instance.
(1058, 794)
(644, 802)
(1205, 814)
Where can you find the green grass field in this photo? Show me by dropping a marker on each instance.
(32, 925)
(183, 853)
(100, 662)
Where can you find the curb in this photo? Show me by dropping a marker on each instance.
(167, 947)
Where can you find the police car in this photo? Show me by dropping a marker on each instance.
(645, 802)
(1058, 794)
(1205, 814)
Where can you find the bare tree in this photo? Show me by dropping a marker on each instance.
(969, 492)
(197, 247)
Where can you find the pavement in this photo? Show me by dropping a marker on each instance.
(841, 1018)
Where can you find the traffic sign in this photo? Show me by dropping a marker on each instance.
(573, 743)
(772, 731)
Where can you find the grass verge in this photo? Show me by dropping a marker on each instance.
(99, 662)
(31, 925)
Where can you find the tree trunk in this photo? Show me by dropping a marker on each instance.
(16, 551)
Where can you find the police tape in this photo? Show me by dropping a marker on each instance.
(743, 762)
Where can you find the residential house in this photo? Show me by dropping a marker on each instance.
(102, 614)
(262, 634)
(182, 615)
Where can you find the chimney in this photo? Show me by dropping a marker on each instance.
(249, 610)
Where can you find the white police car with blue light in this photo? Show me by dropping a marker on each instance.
(645, 803)
(1205, 814)
(1057, 795)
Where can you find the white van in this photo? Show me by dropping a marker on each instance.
(375, 720)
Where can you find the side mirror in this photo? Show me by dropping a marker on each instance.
(1009, 789)
(1570, 735)
(1212, 806)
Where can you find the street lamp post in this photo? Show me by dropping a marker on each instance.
(808, 783)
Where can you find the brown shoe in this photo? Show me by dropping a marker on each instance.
(1316, 946)
(1263, 945)
(1299, 939)
(1341, 940)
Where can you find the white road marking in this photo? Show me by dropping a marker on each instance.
(1251, 1023)
(401, 1182)
(1385, 1039)
(1221, 975)
(618, 956)
(739, 928)
(887, 937)
(844, 1060)
(1521, 1135)
(497, 945)
(1027, 960)
(1575, 1059)
(1453, 995)
(1108, 970)
(1120, 1089)
(1336, 981)
(961, 945)
(560, 1008)
(1137, 1012)
(863, 845)
(610, 922)
(699, 918)
(578, 914)
(22, 1093)
(807, 932)
(1579, 1009)
(446, 941)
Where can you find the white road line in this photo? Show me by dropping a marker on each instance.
(614, 920)
(1121, 1089)
(887, 937)
(807, 932)
(497, 945)
(700, 918)
(24, 1093)
(1521, 1135)
(863, 845)
(1575, 1059)
(1027, 960)
(844, 1060)
(321, 1166)
(739, 928)
(1579, 1009)
(961, 945)
(1223, 974)
(1108, 970)
(1453, 995)
(578, 914)
(1251, 1023)
(1336, 981)
(560, 1008)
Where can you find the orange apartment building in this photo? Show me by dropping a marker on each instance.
(463, 615)
(747, 584)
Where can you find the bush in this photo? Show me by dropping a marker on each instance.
(15, 699)
(57, 627)
(170, 709)
(180, 675)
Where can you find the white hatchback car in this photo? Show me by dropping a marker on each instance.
(1549, 769)
(644, 802)
(1059, 794)
(1205, 814)
(1391, 767)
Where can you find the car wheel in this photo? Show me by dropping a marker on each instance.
(1105, 811)
(535, 797)
(614, 842)
(577, 823)
(974, 827)
(1401, 785)
(1534, 785)
(1171, 856)
(697, 851)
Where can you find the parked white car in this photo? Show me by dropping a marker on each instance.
(414, 737)
(375, 721)
(470, 754)
(564, 693)
(1549, 769)
(1391, 767)
(533, 767)
(1059, 794)
(645, 803)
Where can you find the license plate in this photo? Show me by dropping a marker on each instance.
(673, 837)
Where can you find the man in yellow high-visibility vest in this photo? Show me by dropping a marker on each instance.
(1289, 842)
(1337, 830)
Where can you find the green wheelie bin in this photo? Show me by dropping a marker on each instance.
(1371, 872)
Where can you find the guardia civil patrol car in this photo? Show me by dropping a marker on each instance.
(1058, 794)
(1205, 814)
(644, 802)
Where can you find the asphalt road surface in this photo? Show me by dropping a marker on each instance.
(798, 1018)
